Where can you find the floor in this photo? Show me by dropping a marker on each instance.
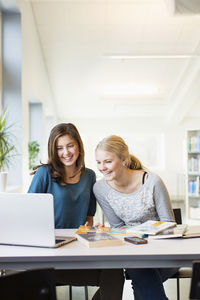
(170, 288)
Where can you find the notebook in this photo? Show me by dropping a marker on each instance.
(28, 220)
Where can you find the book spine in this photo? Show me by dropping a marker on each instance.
(82, 240)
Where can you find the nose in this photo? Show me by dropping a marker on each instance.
(65, 150)
(102, 167)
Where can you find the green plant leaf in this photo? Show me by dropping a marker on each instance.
(33, 149)
(7, 146)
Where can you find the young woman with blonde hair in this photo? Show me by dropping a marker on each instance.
(129, 194)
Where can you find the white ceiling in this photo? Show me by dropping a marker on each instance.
(77, 38)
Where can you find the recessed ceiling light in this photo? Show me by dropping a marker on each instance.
(129, 90)
(149, 56)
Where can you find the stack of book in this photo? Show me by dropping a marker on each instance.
(92, 237)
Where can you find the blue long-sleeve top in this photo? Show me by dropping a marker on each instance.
(73, 202)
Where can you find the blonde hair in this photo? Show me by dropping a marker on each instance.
(115, 144)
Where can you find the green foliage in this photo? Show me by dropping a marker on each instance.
(33, 149)
(7, 146)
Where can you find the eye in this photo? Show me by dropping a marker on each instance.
(108, 161)
(70, 145)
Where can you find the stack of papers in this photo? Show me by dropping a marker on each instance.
(176, 232)
(181, 231)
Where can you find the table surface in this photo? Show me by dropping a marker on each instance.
(157, 253)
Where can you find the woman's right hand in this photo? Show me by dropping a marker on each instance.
(99, 225)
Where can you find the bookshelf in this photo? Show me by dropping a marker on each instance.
(193, 176)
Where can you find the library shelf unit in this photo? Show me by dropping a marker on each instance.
(193, 177)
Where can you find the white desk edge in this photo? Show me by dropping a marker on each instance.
(157, 253)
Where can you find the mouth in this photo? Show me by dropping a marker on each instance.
(107, 173)
(67, 159)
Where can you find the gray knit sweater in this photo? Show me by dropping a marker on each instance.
(150, 202)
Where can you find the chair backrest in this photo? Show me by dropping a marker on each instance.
(31, 285)
(177, 215)
(195, 282)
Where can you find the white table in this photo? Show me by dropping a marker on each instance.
(157, 253)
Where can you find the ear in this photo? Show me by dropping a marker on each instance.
(124, 162)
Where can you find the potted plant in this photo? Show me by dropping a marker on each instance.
(33, 149)
(7, 149)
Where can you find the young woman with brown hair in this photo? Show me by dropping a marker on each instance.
(71, 184)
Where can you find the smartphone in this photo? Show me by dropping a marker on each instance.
(135, 240)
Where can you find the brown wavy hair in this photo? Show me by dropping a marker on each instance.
(56, 167)
(115, 144)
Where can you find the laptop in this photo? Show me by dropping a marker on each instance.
(28, 220)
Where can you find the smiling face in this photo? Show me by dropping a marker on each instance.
(109, 164)
(67, 150)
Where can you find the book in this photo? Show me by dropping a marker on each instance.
(192, 231)
(176, 232)
(85, 229)
(151, 227)
(126, 231)
(181, 231)
(92, 237)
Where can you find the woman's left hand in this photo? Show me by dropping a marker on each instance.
(89, 221)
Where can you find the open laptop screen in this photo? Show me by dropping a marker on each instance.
(27, 219)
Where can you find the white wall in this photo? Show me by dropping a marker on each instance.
(35, 81)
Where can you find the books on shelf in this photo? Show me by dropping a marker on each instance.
(92, 237)
(194, 164)
(151, 227)
(194, 143)
(181, 231)
(193, 175)
(193, 187)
